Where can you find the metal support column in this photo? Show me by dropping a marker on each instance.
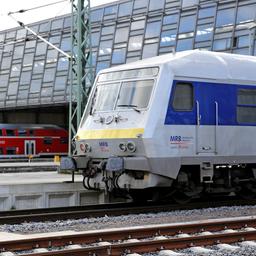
(81, 73)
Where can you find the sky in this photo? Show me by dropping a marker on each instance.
(35, 15)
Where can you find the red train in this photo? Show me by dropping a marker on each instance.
(22, 140)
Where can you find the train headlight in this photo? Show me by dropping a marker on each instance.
(85, 147)
(82, 147)
(122, 146)
(131, 146)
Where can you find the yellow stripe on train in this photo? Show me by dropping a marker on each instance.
(110, 134)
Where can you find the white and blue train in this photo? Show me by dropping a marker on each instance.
(178, 125)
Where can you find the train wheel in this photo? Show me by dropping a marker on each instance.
(248, 191)
(138, 196)
(181, 197)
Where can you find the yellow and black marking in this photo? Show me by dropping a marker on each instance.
(110, 133)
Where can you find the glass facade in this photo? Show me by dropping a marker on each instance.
(33, 74)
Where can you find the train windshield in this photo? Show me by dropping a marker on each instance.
(115, 91)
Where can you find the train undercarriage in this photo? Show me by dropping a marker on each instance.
(196, 181)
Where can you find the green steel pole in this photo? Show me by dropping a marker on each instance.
(81, 72)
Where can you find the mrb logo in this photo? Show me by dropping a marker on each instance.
(103, 146)
(175, 138)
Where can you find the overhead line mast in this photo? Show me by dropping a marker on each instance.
(81, 76)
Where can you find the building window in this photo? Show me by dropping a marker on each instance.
(225, 17)
(107, 30)
(121, 35)
(60, 83)
(125, 9)
(153, 29)
(65, 44)
(110, 10)
(119, 56)
(187, 24)
(105, 47)
(95, 39)
(49, 74)
(41, 48)
(140, 4)
(246, 13)
(204, 33)
(156, 5)
(206, 12)
(184, 44)
(35, 85)
(168, 38)
(183, 97)
(170, 19)
(246, 108)
(96, 15)
(140, 24)
(243, 41)
(222, 44)
(135, 43)
(13, 88)
(149, 50)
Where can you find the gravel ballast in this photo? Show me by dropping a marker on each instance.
(131, 220)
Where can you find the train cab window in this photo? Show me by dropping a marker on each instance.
(22, 132)
(246, 108)
(183, 97)
(10, 132)
(47, 141)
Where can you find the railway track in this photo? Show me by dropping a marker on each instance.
(100, 210)
(144, 239)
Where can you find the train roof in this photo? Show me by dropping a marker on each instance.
(201, 64)
(28, 126)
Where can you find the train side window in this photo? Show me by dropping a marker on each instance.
(22, 132)
(183, 97)
(246, 106)
(10, 132)
(31, 132)
(63, 140)
(1, 132)
(11, 151)
(1, 151)
(47, 141)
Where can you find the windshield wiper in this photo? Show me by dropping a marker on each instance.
(134, 107)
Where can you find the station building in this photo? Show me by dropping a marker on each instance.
(34, 78)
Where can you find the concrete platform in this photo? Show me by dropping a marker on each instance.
(44, 189)
(27, 166)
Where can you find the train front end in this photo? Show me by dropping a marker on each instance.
(110, 142)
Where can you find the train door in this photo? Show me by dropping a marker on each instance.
(30, 147)
(206, 118)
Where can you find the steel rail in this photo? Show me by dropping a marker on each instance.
(138, 233)
(118, 249)
(111, 209)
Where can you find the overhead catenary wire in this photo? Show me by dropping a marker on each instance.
(38, 7)
(40, 37)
